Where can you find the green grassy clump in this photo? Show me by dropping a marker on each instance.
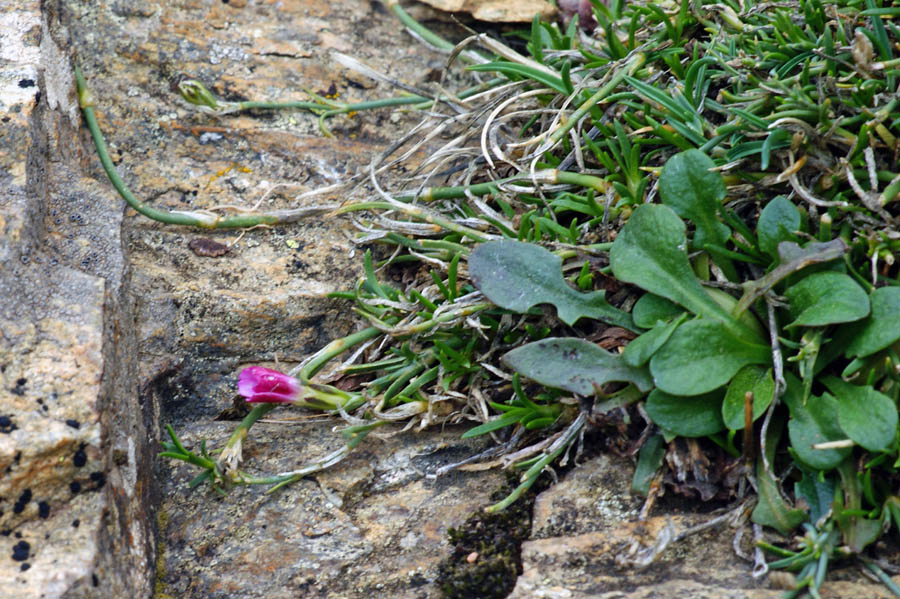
(707, 193)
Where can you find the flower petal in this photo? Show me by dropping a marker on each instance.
(264, 385)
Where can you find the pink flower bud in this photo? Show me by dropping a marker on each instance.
(264, 385)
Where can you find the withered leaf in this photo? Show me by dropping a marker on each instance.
(207, 247)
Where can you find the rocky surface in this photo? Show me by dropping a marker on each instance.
(374, 524)
(111, 325)
(75, 517)
(587, 536)
(498, 11)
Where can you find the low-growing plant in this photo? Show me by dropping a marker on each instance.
(705, 193)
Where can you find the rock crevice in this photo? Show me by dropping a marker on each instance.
(74, 515)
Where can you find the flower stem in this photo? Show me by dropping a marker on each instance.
(532, 474)
(240, 433)
(633, 64)
(194, 92)
(417, 28)
(335, 348)
(203, 220)
(353, 436)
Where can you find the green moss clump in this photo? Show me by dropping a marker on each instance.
(497, 541)
(159, 585)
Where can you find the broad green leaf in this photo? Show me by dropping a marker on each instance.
(818, 494)
(649, 461)
(575, 365)
(640, 350)
(826, 298)
(651, 252)
(814, 422)
(694, 192)
(758, 381)
(858, 532)
(777, 222)
(728, 303)
(702, 355)
(881, 328)
(517, 275)
(865, 415)
(650, 309)
(771, 509)
(696, 416)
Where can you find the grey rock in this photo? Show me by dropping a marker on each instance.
(374, 524)
(116, 324)
(75, 515)
(586, 534)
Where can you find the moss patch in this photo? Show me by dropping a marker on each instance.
(159, 585)
(487, 549)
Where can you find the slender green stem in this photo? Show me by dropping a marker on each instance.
(419, 213)
(419, 29)
(532, 473)
(262, 105)
(203, 220)
(467, 93)
(335, 348)
(589, 181)
(194, 92)
(884, 578)
(375, 104)
(633, 64)
(446, 246)
(240, 433)
(433, 194)
(780, 552)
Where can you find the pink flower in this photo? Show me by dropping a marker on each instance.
(264, 385)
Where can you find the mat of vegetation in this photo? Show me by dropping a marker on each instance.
(678, 216)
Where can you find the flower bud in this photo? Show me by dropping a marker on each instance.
(264, 385)
(196, 93)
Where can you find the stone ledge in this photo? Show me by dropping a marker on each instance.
(73, 515)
